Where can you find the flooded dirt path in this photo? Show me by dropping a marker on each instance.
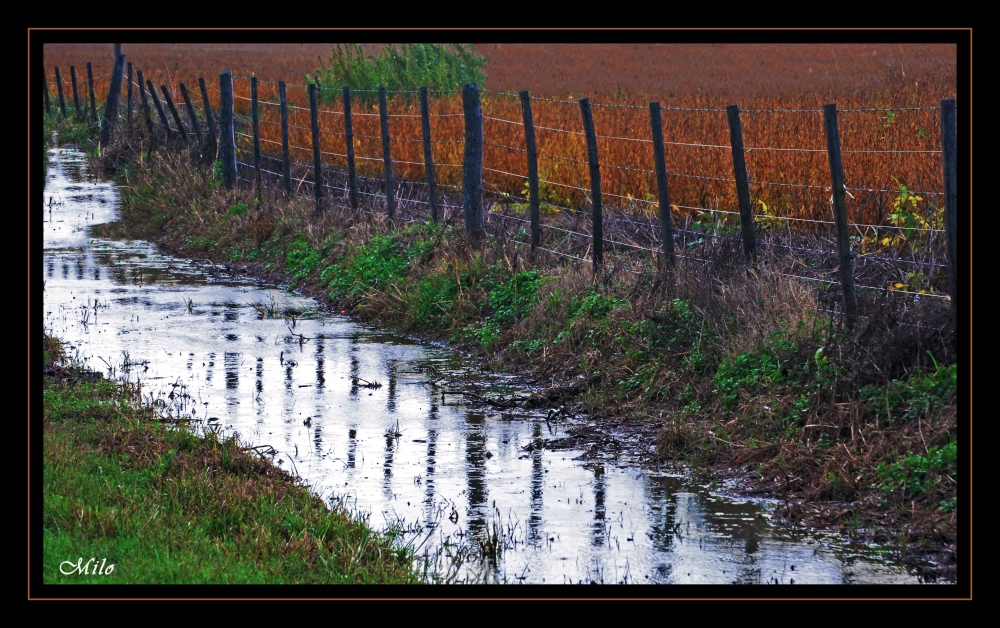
(369, 419)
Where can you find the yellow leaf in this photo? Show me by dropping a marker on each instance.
(898, 286)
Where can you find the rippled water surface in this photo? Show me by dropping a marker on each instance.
(288, 376)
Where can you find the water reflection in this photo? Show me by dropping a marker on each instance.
(451, 467)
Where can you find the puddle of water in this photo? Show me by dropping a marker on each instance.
(402, 453)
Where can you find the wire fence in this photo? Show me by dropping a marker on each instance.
(896, 241)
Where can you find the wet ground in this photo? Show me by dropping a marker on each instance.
(380, 423)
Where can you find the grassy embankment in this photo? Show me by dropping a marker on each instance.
(165, 506)
(738, 370)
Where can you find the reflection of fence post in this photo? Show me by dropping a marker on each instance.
(317, 163)
(529, 145)
(93, 101)
(352, 173)
(212, 144)
(159, 109)
(595, 184)
(425, 123)
(256, 129)
(128, 114)
(949, 163)
(742, 183)
(840, 213)
(472, 166)
(173, 112)
(190, 110)
(227, 130)
(48, 105)
(286, 159)
(145, 104)
(390, 184)
(76, 96)
(62, 99)
(111, 104)
(666, 228)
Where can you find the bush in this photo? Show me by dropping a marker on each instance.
(409, 67)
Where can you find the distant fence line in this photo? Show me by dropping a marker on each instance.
(238, 146)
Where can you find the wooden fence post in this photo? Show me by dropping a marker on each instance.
(529, 144)
(595, 184)
(666, 227)
(76, 96)
(256, 130)
(390, 184)
(317, 164)
(949, 164)
(111, 103)
(129, 90)
(118, 50)
(159, 109)
(62, 99)
(742, 183)
(93, 102)
(425, 123)
(352, 173)
(48, 105)
(286, 159)
(145, 103)
(472, 170)
(840, 213)
(227, 131)
(190, 110)
(173, 112)
(209, 119)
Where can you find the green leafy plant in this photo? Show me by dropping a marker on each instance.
(408, 67)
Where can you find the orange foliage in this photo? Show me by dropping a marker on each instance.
(872, 86)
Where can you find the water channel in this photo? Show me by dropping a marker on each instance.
(406, 453)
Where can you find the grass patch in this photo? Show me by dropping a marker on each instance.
(164, 506)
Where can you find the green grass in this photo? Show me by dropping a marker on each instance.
(165, 506)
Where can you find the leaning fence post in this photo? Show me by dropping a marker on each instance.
(472, 170)
(949, 163)
(111, 104)
(212, 144)
(286, 159)
(256, 128)
(390, 184)
(159, 109)
(190, 111)
(317, 164)
(93, 103)
(129, 90)
(529, 144)
(173, 112)
(145, 103)
(666, 228)
(227, 132)
(425, 123)
(76, 96)
(352, 173)
(62, 100)
(840, 213)
(742, 182)
(595, 183)
(48, 105)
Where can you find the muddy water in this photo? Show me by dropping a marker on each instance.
(275, 368)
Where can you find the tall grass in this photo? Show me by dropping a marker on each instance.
(408, 67)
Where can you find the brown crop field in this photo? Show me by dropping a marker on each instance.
(888, 98)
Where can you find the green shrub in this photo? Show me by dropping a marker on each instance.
(408, 67)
